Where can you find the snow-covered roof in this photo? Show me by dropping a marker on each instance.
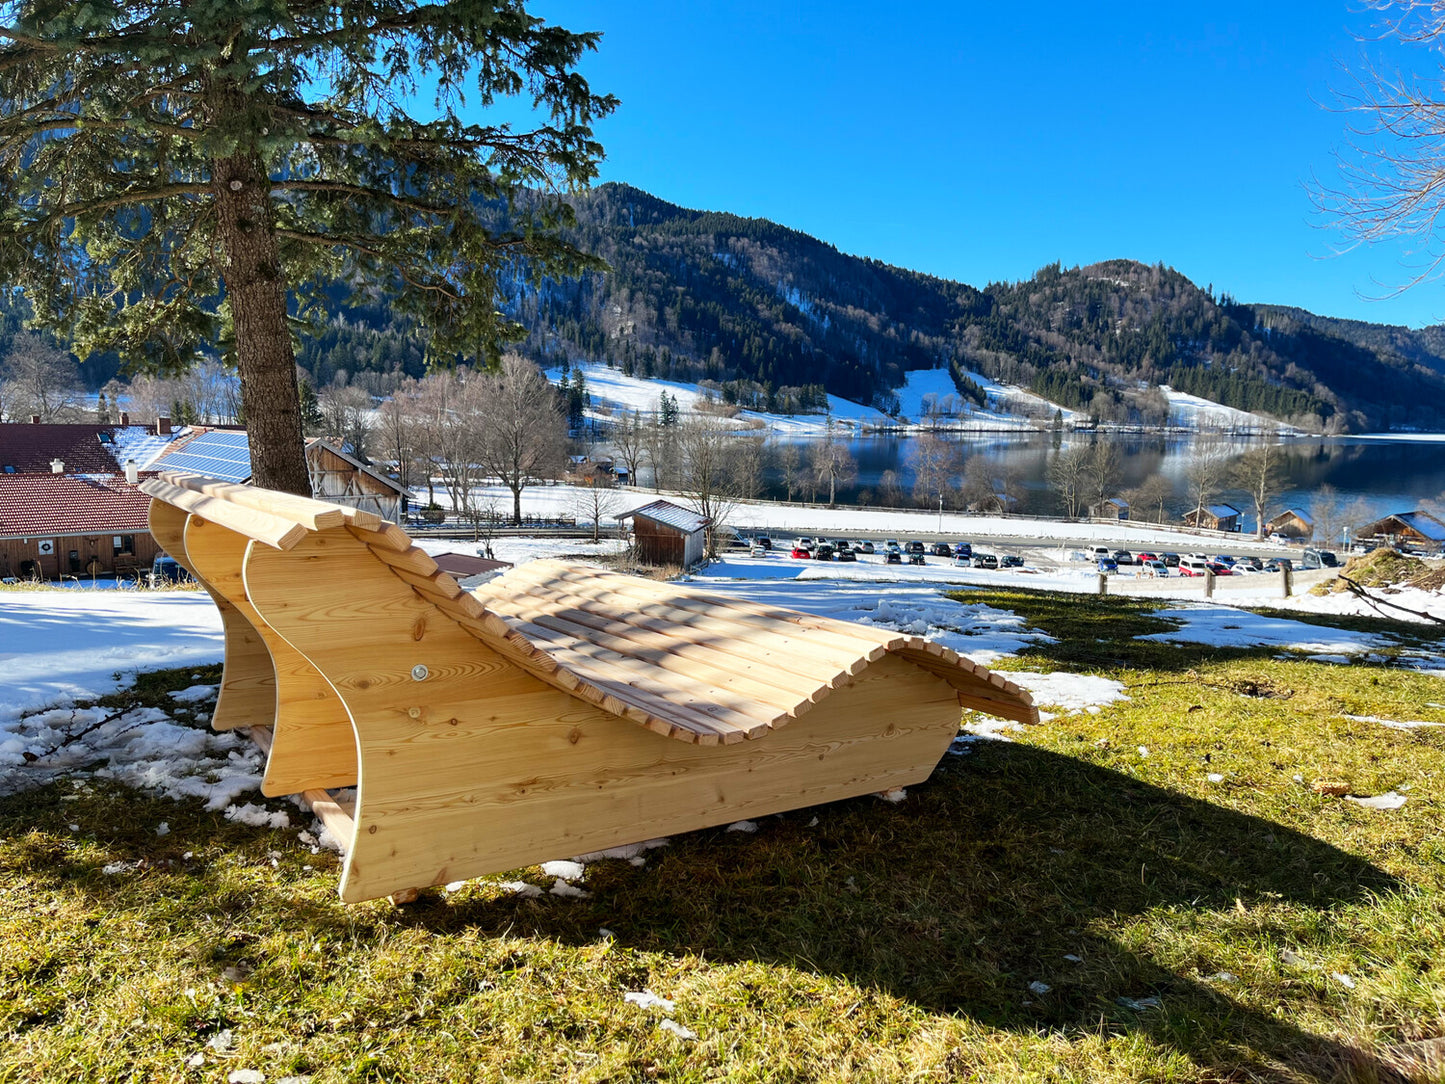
(1119, 501)
(683, 519)
(1222, 511)
(1428, 526)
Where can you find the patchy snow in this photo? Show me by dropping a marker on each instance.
(1224, 626)
(195, 694)
(1193, 412)
(646, 999)
(1383, 802)
(567, 870)
(1393, 724)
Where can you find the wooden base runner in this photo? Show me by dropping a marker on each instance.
(558, 711)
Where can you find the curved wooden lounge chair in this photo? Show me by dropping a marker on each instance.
(557, 710)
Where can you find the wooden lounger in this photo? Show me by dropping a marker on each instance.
(555, 711)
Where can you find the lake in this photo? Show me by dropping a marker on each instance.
(1377, 474)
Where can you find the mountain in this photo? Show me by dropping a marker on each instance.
(772, 318)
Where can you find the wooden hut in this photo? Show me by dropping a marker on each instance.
(1291, 523)
(1416, 530)
(1214, 517)
(1115, 508)
(666, 534)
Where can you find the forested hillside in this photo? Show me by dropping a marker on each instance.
(773, 317)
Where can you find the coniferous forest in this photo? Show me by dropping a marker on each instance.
(773, 318)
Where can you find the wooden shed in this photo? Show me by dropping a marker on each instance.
(1113, 508)
(1418, 529)
(667, 534)
(54, 525)
(1291, 523)
(1214, 517)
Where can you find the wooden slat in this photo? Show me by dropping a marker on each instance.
(730, 722)
(673, 651)
(278, 533)
(412, 560)
(698, 678)
(387, 536)
(783, 655)
(438, 584)
(311, 514)
(338, 818)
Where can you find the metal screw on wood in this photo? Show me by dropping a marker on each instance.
(419, 672)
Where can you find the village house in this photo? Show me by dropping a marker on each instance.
(1291, 523)
(666, 534)
(336, 474)
(1214, 517)
(1417, 530)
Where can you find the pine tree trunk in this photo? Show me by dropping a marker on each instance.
(266, 360)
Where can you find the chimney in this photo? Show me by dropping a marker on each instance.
(57, 466)
(35, 419)
(132, 474)
(163, 426)
(125, 417)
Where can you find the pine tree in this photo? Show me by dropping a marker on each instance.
(170, 173)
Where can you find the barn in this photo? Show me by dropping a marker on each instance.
(667, 534)
(1416, 530)
(1292, 523)
(1214, 517)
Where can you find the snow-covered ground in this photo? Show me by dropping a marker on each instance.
(1191, 412)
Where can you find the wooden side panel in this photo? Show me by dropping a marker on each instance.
(478, 767)
(248, 680)
(313, 745)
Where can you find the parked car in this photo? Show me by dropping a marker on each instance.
(963, 562)
(1219, 568)
(914, 547)
(165, 570)
(916, 558)
(824, 552)
(1193, 566)
(942, 549)
(1153, 568)
(1144, 558)
(764, 541)
(1124, 557)
(847, 555)
(1248, 564)
(1278, 564)
(893, 557)
(962, 549)
(805, 543)
(1314, 558)
(1225, 559)
(892, 544)
(1010, 560)
(758, 550)
(866, 547)
(1096, 552)
(985, 560)
(1171, 560)
(800, 554)
(1107, 564)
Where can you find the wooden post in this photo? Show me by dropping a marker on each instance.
(1286, 579)
(1208, 583)
(1103, 583)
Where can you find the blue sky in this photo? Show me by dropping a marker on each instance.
(980, 142)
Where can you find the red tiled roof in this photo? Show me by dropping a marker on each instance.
(30, 448)
(38, 505)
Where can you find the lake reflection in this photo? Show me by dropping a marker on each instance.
(1385, 475)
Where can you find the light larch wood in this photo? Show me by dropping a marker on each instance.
(313, 515)
(525, 722)
(248, 680)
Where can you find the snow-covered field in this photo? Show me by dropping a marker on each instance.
(1006, 406)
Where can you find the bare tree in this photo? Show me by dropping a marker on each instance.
(935, 466)
(790, 466)
(523, 428)
(1104, 470)
(594, 500)
(1068, 474)
(830, 461)
(1205, 471)
(890, 493)
(448, 434)
(715, 470)
(629, 441)
(1148, 499)
(1260, 472)
(1391, 168)
(398, 423)
(38, 378)
(347, 414)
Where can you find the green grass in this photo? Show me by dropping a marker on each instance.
(885, 942)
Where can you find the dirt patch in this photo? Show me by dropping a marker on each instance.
(1386, 570)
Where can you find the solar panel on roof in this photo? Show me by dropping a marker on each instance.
(226, 456)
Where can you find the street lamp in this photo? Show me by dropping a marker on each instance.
(940, 513)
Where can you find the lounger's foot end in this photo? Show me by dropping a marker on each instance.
(405, 896)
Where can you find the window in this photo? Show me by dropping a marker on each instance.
(123, 543)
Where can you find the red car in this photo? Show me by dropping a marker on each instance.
(1220, 569)
(1140, 558)
(801, 554)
